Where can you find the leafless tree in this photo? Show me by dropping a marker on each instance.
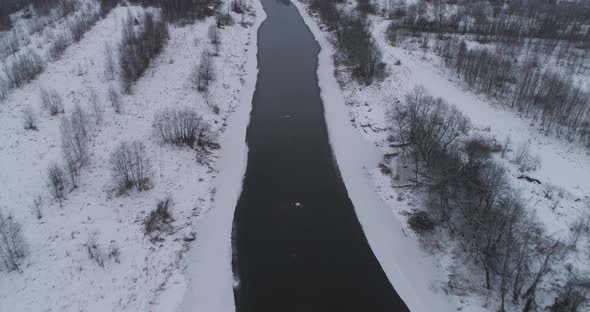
(115, 99)
(52, 101)
(204, 73)
(95, 105)
(61, 42)
(13, 247)
(215, 38)
(131, 166)
(37, 207)
(57, 182)
(25, 67)
(182, 127)
(109, 64)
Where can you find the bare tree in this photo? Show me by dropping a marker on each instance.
(37, 207)
(109, 65)
(13, 247)
(573, 296)
(115, 99)
(25, 67)
(52, 101)
(57, 182)
(182, 127)
(95, 252)
(61, 42)
(95, 105)
(215, 38)
(204, 73)
(131, 166)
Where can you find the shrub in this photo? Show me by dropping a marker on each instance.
(13, 247)
(160, 218)
(131, 166)
(23, 69)
(421, 222)
(9, 44)
(59, 45)
(204, 73)
(29, 119)
(95, 252)
(109, 69)
(95, 105)
(115, 99)
(57, 182)
(524, 159)
(74, 139)
(182, 127)
(52, 101)
(81, 24)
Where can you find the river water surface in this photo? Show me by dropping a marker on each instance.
(298, 245)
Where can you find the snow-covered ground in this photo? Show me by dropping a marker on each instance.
(57, 274)
(421, 273)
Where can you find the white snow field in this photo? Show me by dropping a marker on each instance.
(419, 271)
(57, 274)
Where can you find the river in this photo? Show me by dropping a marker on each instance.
(298, 245)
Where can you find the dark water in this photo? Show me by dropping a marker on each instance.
(289, 257)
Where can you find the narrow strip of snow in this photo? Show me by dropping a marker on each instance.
(411, 272)
(209, 278)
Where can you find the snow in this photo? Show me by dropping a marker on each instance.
(209, 277)
(412, 273)
(421, 272)
(58, 274)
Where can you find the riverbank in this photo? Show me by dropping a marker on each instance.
(411, 271)
(136, 272)
(208, 280)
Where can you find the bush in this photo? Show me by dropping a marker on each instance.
(421, 222)
(74, 139)
(95, 252)
(131, 166)
(573, 296)
(524, 159)
(204, 73)
(182, 127)
(81, 24)
(59, 45)
(115, 99)
(52, 101)
(215, 38)
(29, 119)
(185, 11)
(109, 69)
(57, 182)
(223, 19)
(9, 44)
(23, 69)
(160, 218)
(13, 247)
(95, 105)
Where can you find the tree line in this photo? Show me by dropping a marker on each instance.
(469, 195)
(139, 45)
(355, 41)
(557, 103)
